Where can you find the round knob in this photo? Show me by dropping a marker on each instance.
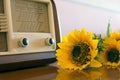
(24, 42)
(50, 41)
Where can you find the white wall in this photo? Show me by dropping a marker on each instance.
(76, 16)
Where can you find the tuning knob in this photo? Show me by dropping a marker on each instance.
(24, 42)
(49, 41)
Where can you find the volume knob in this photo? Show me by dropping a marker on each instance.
(49, 41)
(24, 42)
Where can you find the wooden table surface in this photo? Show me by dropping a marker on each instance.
(52, 72)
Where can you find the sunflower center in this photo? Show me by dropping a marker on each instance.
(76, 51)
(80, 53)
(113, 55)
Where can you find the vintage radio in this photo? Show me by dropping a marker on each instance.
(29, 32)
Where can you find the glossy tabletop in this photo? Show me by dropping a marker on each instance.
(52, 72)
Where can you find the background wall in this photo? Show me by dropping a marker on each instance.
(77, 15)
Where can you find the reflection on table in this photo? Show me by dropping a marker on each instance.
(55, 73)
(90, 74)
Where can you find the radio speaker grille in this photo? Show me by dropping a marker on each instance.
(3, 23)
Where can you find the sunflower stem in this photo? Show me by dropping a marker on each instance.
(108, 29)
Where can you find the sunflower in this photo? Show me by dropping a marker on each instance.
(111, 54)
(77, 51)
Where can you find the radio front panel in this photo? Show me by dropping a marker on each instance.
(26, 26)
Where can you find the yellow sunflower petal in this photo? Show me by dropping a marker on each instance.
(115, 35)
(73, 36)
(94, 44)
(95, 63)
(83, 35)
(94, 53)
(64, 39)
(65, 46)
(118, 45)
(103, 58)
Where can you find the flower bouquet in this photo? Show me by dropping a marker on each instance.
(81, 50)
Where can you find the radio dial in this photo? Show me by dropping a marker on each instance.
(50, 41)
(24, 42)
